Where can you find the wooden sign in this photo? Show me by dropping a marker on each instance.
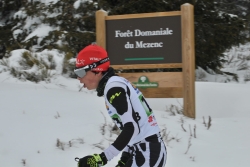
(139, 42)
(152, 41)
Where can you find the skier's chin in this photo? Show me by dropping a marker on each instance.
(86, 87)
(89, 88)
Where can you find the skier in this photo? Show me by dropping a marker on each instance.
(140, 138)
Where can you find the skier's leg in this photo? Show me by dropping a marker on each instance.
(149, 153)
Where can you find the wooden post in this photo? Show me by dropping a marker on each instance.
(101, 28)
(188, 59)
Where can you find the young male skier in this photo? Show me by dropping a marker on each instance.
(140, 138)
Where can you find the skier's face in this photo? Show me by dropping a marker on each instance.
(90, 80)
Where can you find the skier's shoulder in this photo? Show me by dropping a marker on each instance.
(117, 80)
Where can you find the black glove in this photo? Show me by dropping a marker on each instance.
(124, 158)
(95, 160)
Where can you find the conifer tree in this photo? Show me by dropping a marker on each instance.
(7, 9)
(215, 31)
(75, 27)
(219, 24)
(240, 8)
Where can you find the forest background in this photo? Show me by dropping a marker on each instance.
(219, 25)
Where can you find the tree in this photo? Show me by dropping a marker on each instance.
(72, 27)
(219, 24)
(241, 8)
(7, 9)
(215, 31)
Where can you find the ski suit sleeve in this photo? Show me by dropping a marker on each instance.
(118, 95)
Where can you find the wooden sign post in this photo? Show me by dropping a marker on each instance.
(188, 59)
(153, 41)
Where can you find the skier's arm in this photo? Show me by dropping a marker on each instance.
(118, 97)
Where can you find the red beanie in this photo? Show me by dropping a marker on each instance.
(91, 54)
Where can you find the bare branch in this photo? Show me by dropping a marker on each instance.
(190, 130)
(99, 145)
(183, 128)
(192, 158)
(204, 122)
(189, 144)
(181, 120)
(70, 143)
(194, 131)
(81, 88)
(171, 109)
(209, 122)
(24, 162)
(104, 124)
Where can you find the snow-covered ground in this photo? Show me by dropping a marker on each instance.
(49, 124)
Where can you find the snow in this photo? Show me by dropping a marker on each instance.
(217, 99)
(40, 31)
(20, 14)
(16, 56)
(47, 2)
(238, 57)
(34, 116)
(50, 58)
(17, 32)
(77, 4)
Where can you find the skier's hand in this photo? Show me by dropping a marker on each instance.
(124, 158)
(94, 160)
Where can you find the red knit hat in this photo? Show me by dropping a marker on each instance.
(91, 54)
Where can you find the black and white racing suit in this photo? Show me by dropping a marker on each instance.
(140, 134)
